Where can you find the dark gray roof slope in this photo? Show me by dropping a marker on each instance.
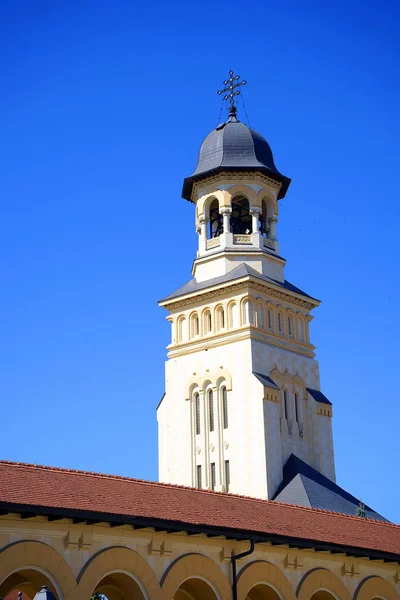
(241, 270)
(319, 396)
(305, 486)
(265, 380)
(233, 146)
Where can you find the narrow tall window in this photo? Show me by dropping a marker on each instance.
(211, 409)
(227, 476)
(215, 221)
(209, 322)
(197, 412)
(285, 404)
(290, 325)
(301, 330)
(269, 319)
(213, 480)
(222, 316)
(198, 474)
(225, 408)
(260, 320)
(280, 322)
(296, 406)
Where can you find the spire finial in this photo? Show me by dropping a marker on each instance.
(229, 92)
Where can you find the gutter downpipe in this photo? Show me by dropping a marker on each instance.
(234, 558)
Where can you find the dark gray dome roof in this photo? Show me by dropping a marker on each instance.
(233, 146)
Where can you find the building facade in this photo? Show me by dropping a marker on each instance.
(80, 533)
(245, 440)
(242, 383)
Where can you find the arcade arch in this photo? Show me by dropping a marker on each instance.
(322, 584)
(195, 577)
(28, 565)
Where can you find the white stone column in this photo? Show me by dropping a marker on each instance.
(226, 212)
(272, 227)
(203, 235)
(226, 237)
(255, 236)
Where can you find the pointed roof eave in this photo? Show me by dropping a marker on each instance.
(240, 273)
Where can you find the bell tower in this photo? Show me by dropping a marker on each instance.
(242, 388)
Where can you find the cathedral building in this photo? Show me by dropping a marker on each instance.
(248, 507)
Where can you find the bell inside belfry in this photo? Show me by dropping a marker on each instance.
(241, 217)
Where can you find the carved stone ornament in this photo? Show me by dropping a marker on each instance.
(225, 210)
(222, 177)
(245, 285)
(226, 445)
(198, 449)
(212, 447)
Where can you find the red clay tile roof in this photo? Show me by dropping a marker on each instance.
(63, 489)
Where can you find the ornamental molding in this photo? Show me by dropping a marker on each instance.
(255, 177)
(213, 243)
(324, 411)
(237, 287)
(250, 333)
(225, 210)
(271, 396)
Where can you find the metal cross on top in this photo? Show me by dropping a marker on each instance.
(229, 91)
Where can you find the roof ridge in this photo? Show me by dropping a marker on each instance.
(196, 490)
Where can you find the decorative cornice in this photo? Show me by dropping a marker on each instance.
(237, 335)
(236, 287)
(324, 411)
(255, 177)
(225, 210)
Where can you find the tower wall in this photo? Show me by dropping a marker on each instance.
(240, 341)
(241, 442)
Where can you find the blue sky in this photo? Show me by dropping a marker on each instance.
(103, 109)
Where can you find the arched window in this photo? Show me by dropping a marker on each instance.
(269, 318)
(207, 321)
(211, 409)
(215, 221)
(220, 318)
(197, 412)
(225, 408)
(290, 325)
(241, 217)
(280, 322)
(233, 315)
(248, 312)
(181, 329)
(286, 404)
(262, 219)
(296, 407)
(195, 325)
(300, 327)
(260, 319)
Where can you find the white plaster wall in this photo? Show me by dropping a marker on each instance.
(315, 446)
(242, 443)
(220, 263)
(258, 441)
